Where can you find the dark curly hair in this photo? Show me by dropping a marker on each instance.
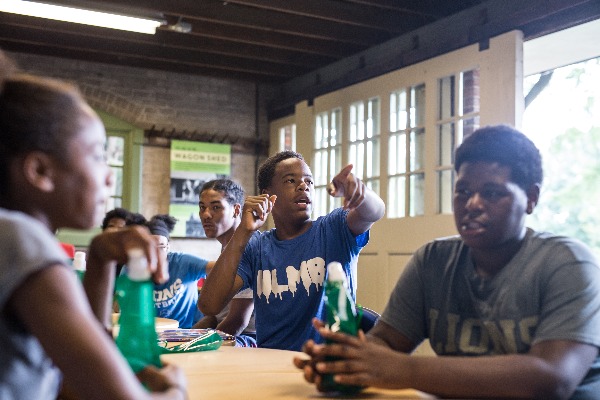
(267, 169)
(162, 224)
(135, 219)
(115, 213)
(506, 146)
(234, 193)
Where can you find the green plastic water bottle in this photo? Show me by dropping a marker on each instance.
(137, 337)
(79, 264)
(341, 316)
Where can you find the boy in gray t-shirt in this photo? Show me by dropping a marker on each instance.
(513, 312)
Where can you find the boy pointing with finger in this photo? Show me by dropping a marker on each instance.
(286, 266)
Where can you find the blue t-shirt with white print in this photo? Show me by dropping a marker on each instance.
(178, 297)
(287, 278)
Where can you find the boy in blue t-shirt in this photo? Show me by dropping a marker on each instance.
(286, 266)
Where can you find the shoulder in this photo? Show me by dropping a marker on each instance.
(25, 231)
(559, 249)
(441, 247)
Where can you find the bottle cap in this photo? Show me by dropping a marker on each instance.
(335, 272)
(79, 261)
(137, 266)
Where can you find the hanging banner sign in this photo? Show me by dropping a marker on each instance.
(192, 165)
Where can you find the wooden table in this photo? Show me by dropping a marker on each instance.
(250, 373)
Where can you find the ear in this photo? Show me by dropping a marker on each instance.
(533, 196)
(39, 170)
(237, 209)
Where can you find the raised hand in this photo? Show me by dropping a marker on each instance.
(345, 184)
(255, 211)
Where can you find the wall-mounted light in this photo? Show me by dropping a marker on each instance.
(80, 16)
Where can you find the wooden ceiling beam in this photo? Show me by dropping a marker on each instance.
(165, 39)
(238, 15)
(345, 13)
(99, 47)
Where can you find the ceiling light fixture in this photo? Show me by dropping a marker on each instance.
(81, 16)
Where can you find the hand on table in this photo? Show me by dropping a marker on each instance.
(361, 363)
(161, 380)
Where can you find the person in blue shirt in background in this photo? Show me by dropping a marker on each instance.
(177, 298)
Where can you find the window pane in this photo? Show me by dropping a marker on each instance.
(320, 202)
(335, 163)
(396, 197)
(446, 144)
(353, 123)
(372, 158)
(393, 155)
(373, 185)
(361, 121)
(417, 194)
(352, 155)
(320, 172)
(373, 118)
(418, 106)
(445, 188)
(116, 189)
(359, 167)
(446, 97)
(402, 151)
(417, 149)
(335, 127)
(468, 126)
(115, 150)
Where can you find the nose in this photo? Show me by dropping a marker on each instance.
(205, 214)
(303, 186)
(475, 202)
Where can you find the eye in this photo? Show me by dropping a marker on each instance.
(309, 182)
(216, 208)
(290, 180)
(492, 194)
(202, 208)
(462, 192)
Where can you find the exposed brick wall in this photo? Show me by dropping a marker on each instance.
(164, 99)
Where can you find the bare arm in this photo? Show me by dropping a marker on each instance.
(223, 282)
(208, 321)
(550, 370)
(238, 317)
(365, 206)
(64, 324)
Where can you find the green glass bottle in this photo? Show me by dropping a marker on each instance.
(137, 337)
(341, 316)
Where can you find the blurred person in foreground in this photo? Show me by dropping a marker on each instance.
(221, 203)
(514, 313)
(54, 332)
